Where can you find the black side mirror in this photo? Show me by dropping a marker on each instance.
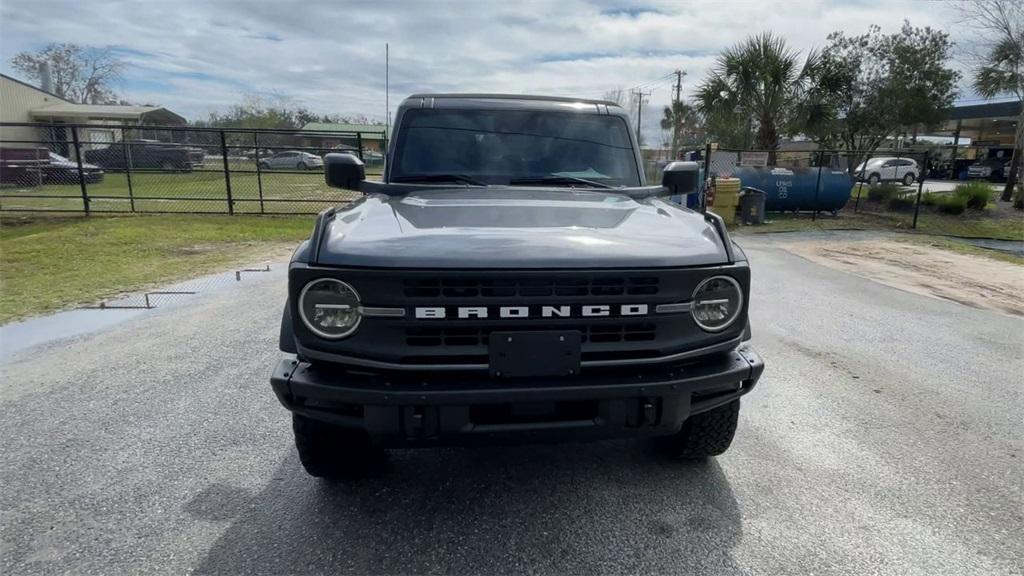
(344, 171)
(681, 178)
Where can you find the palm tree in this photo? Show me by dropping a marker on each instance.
(757, 82)
(681, 118)
(1001, 70)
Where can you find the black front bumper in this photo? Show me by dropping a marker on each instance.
(441, 408)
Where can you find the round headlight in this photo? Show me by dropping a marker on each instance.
(329, 308)
(717, 302)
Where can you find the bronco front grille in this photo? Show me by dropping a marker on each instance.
(479, 335)
(530, 287)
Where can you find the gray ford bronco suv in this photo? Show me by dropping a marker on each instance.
(512, 278)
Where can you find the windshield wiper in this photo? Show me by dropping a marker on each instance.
(555, 180)
(459, 178)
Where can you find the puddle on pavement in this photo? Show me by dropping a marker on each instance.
(18, 337)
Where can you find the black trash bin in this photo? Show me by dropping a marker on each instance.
(752, 202)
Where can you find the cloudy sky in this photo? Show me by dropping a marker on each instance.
(196, 56)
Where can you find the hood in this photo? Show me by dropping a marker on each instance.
(499, 227)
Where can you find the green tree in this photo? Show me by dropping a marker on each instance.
(81, 74)
(999, 68)
(684, 124)
(865, 88)
(755, 85)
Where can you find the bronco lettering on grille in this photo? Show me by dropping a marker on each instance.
(563, 311)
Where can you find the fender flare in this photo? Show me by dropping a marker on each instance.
(286, 339)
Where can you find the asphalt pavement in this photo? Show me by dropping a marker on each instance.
(884, 438)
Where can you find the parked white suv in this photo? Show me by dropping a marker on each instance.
(878, 170)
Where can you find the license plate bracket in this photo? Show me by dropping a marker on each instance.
(534, 353)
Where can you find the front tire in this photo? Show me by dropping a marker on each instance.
(703, 435)
(908, 179)
(332, 452)
(874, 179)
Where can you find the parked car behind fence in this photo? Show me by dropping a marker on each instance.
(993, 169)
(294, 160)
(22, 166)
(882, 169)
(146, 154)
(61, 170)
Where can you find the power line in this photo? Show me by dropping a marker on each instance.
(651, 83)
(644, 85)
(639, 110)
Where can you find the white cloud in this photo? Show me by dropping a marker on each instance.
(195, 56)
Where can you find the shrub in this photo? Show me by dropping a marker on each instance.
(882, 192)
(930, 199)
(955, 204)
(976, 195)
(901, 204)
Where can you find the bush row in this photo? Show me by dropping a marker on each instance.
(973, 195)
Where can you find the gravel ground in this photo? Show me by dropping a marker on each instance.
(884, 438)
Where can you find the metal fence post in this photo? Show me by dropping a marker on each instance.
(259, 174)
(81, 173)
(817, 191)
(227, 172)
(920, 188)
(860, 181)
(359, 144)
(127, 169)
(707, 178)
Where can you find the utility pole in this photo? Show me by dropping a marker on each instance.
(676, 108)
(679, 84)
(639, 95)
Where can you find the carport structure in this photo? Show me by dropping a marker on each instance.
(992, 128)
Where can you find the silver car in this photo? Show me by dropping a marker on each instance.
(878, 170)
(292, 159)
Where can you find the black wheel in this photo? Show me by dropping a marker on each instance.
(874, 179)
(908, 179)
(332, 452)
(301, 166)
(264, 166)
(706, 434)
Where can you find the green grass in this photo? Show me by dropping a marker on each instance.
(997, 220)
(972, 225)
(198, 191)
(49, 264)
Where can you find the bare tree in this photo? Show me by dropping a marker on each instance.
(998, 62)
(618, 95)
(81, 74)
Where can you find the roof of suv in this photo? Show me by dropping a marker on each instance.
(520, 97)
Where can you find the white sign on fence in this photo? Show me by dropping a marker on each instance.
(753, 158)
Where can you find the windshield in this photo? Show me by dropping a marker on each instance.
(497, 147)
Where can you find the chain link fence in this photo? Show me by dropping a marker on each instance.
(101, 168)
